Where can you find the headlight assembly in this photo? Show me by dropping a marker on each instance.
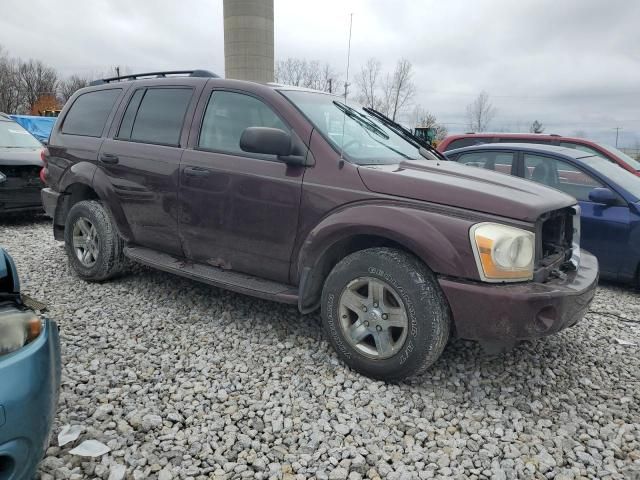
(503, 253)
(17, 328)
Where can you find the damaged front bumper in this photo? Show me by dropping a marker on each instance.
(507, 313)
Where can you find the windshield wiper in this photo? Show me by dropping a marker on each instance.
(360, 119)
(405, 133)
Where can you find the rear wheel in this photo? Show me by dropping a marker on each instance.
(385, 314)
(93, 245)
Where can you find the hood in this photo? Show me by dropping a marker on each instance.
(449, 183)
(20, 156)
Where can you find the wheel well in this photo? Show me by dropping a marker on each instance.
(313, 278)
(73, 194)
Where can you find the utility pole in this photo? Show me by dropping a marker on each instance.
(617, 129)
(117, 71)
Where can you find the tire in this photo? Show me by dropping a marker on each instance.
(90, 220)
(409, 288)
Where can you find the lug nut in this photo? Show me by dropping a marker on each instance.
(364, 309)
(375, 305)
(366, 324)
(385, 316)
(378, 328)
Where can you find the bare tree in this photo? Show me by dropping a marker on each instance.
(308, 74)
(69, 86)
(367, 81)
(536, 127)
(398, 89)
(35, 80)
(10, 98)
(424, 119)
(480, 112)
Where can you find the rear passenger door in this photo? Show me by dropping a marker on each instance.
(141, 161)
(239, 210)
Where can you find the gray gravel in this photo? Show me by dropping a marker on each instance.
(182, 380)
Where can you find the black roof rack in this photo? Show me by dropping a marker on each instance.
(136, 76)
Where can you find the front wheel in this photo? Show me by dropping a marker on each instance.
(93, 245)
(385, 313)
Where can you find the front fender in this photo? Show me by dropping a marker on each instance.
(439, 238)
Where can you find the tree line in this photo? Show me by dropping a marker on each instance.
(24, 82)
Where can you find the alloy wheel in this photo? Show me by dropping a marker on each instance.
(86, 244)
(373, 318)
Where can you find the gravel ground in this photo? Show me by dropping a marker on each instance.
(182, 380)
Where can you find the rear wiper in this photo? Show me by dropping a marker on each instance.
(404, 133)
(360, 119)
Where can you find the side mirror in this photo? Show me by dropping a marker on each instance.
(268, 141)
(603, 196)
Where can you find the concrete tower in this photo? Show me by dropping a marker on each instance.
(248, 40)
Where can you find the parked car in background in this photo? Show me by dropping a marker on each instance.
(29, 379)
(608, 152)
(291, 195)
(20, 164)
(608, 196)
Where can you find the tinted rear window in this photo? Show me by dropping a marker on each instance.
(159, 117)
(88, 114)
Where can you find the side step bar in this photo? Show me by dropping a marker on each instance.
(226, 279)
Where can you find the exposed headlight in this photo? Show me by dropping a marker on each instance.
(503, 253)
(17, 328)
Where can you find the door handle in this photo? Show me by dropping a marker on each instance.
(196, 172)
(108, 158)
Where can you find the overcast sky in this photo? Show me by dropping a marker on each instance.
(573, 64)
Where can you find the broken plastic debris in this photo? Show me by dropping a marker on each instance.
(626, 342)
(90, 448)
(69, 433)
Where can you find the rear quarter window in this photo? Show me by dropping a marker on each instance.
(89, 113)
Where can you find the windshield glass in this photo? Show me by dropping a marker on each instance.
(615, 173)
(366, 141)
(13, 135)
(623, 156)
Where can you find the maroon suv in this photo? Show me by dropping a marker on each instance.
(608, 152)
(296, 196)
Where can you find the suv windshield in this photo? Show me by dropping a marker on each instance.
(365, 141)
(621, 155)
(13, 135)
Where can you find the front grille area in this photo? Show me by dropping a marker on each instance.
(556, 239)
(20, 171)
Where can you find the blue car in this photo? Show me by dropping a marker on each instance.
(29, 379)
(609, 196)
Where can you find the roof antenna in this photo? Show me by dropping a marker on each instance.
(346, 89)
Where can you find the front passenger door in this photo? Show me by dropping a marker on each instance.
(238, 210)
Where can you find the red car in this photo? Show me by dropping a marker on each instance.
(605, 151)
